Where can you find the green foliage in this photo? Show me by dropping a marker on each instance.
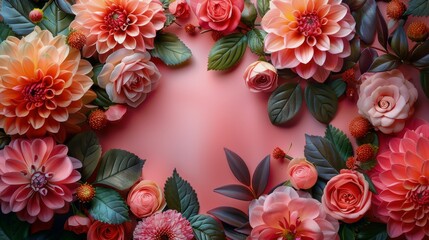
(365, 21)
(55, 20)
(418, 8)
(249, 14)
(255, 39)
(339, 87)
(424, 81)
(206, 228)
(227, 52)
(170, 49)
(11, 228)
(263, 6)
(108, 206)
(284, 103)
(384, 62)
(5, 31)
(399, 42)
(15, 15)
(340, 141)
(322, 101)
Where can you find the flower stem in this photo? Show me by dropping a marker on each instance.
(47, 4)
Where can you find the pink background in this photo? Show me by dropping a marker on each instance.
(194, 113)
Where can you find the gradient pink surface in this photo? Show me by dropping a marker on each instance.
(194, 114)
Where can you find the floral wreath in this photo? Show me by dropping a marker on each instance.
(69, 66)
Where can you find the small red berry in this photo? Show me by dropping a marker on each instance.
(365, 153)
(36, 15)
(278, 153)
(85, 192)
(349, 76)
(351, 163)
(216, 35)
(359, 127)
(395, 9)
(190, 29)
(417, 31)
(97, 119)
(76, 39)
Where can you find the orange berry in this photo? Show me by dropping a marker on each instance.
(278, 153)
(76, 39)
(36, 15)
(190, 29)
(359, 127)
(417, 31)
(395, 9)
(349, 76)
(351, 163)
(365, 152)
(97, 119)
(85, 192)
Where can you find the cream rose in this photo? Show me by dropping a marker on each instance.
(386, 99)
(302, 174)
(145, 199)
(260, 76)
(128, 77)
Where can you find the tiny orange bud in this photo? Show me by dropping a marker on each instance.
(349, 76)
(36, 15)
(85, 192)
(395, 9)
(359, 127)
(351, 163)
(97, 119)
(278, 153)
(365, 153)
(417, 31)
(76, 39)
(190, 29)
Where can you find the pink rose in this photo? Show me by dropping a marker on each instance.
(104, 231)
(179, 8)
(128, 76)
(386, 99)
(302, 173)
(260, 76)
(347, 197)
(77, 224)
(219, 15)
(145, 199)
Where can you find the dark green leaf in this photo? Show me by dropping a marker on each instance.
(286, 73)
(108, 206)
(238, 167)
(367, 165)
(165, 3)
(370, 183)
(232, 216)
(418, 8)
(370, 137)
(255, 38)
(420, 55)
(235, 191)
(383, 63)
(56, 21)
(245, 229)
(399, 42)
(317, 189)
(322, 101)
(382, 31)
(170, 49)
(366, 59)
(206, 228)
(424, 81)
(354, 4)
(340, 141)
(11, 228)
(346, 232)
(355, 50)
(65, 5)
(170, 19)
(263, 6)
(365, 21)
(85, 147)
(180, 196)
(15, 14)
(339, 87)
(119, 169)
(227, 52)
(284, 103)
(102, 99)
(4, 139)
(5, 31)
(372, 231)
(260, 176)
(96, 69)
(232, 234)
(249, 14)
(323, 155)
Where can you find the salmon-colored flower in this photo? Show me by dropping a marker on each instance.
(113, 24)
(402, 181)
(43, 84)
(37, 179)
(145, 199)
(310, 37)
(301, 173)
(77, 224)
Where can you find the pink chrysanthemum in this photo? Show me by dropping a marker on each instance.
(310, 37)
(37, 179)
(402, 181)
(166, 225)
(110, 25)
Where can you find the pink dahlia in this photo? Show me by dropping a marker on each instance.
(110, 25)
(166, 225)
(310, 37)
(37, 179)
(402, 181)
(43, 85)
(284, 214)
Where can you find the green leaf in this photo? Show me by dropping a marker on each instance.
(15, 15)
(418, 8)
(249, 14)
(170, 49)
(227, 52)
(340, 141)
(119, 169)
(424, 81)
(372, 231)
(370, 183)
(366, 59)
(85, 147)
(382, 31)
(4, 139)
(5, 31)
(346, 232)
(368, 165)
(170, 19)
(65, 5)
(286, 73)
(263, 7)
(284, 103)
(317, 189)
(399, 42)
(365, 18)
(232, 216)
(255, 39)
(323, 155)
(206, 228)
(180, 196)
(420, 55)
(370, 137)
(339, 87)
(56, 21)
(11, 228)
(322, 102)
(355, 50)
(108, 206)
(236, 191)
(96, 69)
(102, 99)
(383, 63)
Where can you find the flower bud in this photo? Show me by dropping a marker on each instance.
(36, 15)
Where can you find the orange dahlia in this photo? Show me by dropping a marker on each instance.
(113, 24)
(43, 82)
(309, 37)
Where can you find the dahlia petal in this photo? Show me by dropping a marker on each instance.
(422, 148)
(304, 53)
(337, 12)
(274, 43)
(300, 5)
(33, 207)
(23, 193)
(323, 43)
(337, 46)
(321, 74)
(323, 10)
(331, 28)
(14, 178)
(53, 201)
(294, 40)
(306, 71)
(46, 214)
(412, 159)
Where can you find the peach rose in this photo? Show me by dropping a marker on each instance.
(219, 15)
(346, 197)
(128, 76)
(77, 224)
(145, 199)
(260, 76)
(104, 231)
(302, 174)
(386, 99)
(180, 9)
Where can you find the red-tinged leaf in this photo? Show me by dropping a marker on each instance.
(382, 31)
(420, 55)
(366, 59)
(383, 63)
(232, 216)
(354, 4)
(399, 42)
(365, 18)
(238, 167)
(235, 191)
(245, 229)
(260, 176)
